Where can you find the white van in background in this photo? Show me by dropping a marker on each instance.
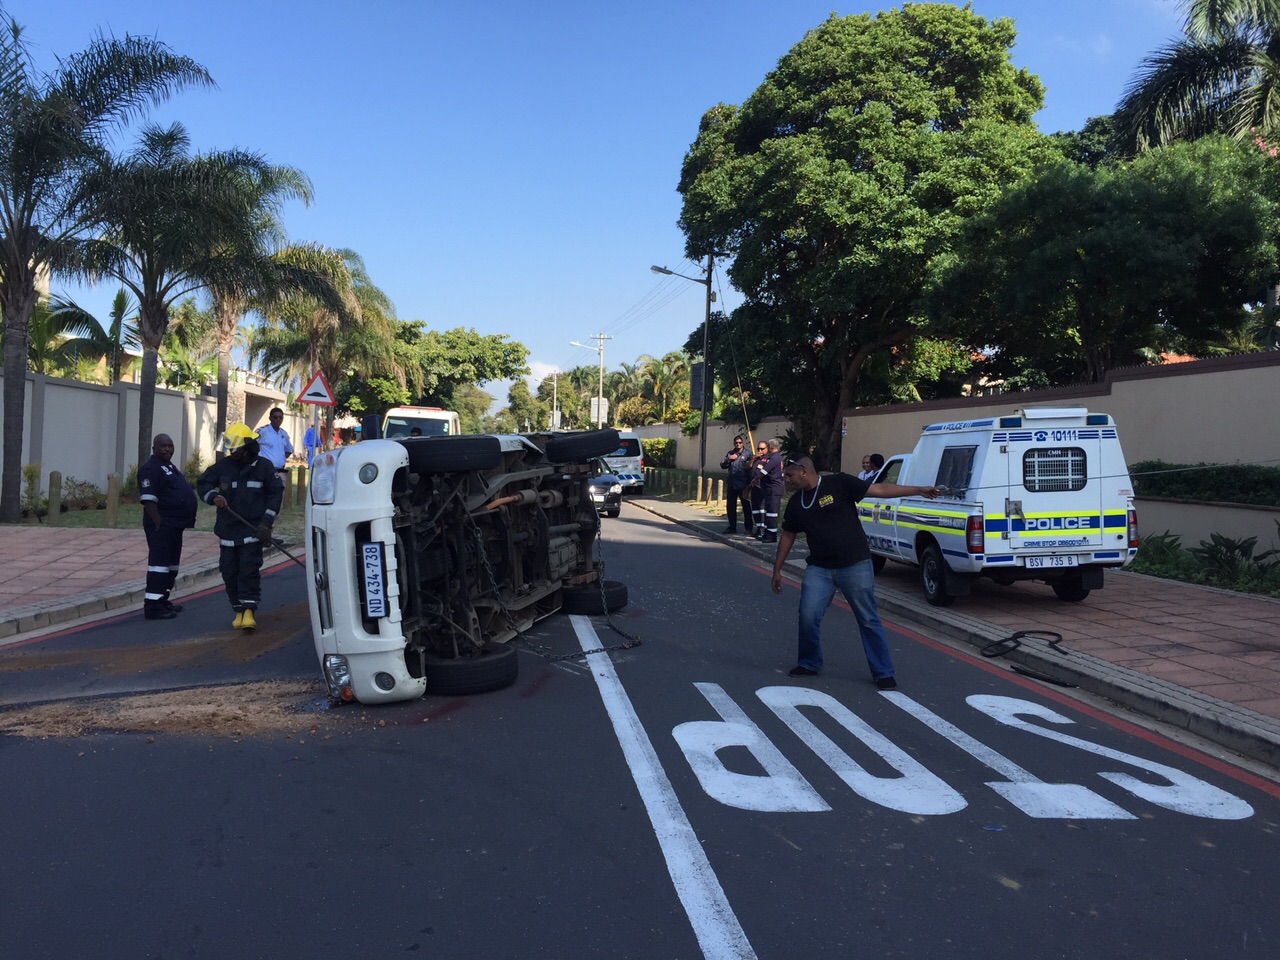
(627, 462)
(431, 421)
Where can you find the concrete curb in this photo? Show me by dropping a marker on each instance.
(1236, 728)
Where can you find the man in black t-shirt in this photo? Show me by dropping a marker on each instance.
(825, 510)
(168, 508)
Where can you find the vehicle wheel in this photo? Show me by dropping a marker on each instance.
(1071, 589)
(877, 562)
(494, 669)
(933, 577)
(614, 513)
(586, 599)
(452, 454)
(581, 446)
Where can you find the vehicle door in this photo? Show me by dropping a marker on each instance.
(879, 515)
(1053, 505)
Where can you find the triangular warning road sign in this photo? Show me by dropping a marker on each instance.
(317, 391)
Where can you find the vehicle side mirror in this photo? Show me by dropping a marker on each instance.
(371, 427)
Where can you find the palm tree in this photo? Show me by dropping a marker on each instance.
(1223, 76)
(54, 129)
(113, 342)
(269, 269)
(665, 377)
(304, 333)
(173, 224)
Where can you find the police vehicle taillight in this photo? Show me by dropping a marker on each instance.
(1133, 528)
(975, 534)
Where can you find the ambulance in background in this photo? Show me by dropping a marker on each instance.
(431, 421)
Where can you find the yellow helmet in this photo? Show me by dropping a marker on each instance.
(235, 437)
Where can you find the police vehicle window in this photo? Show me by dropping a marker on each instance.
(955, 470)
(890, 472)
(629, 448)
(1054, 469)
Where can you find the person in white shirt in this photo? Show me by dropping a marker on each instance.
(871, 465)
(273, 440)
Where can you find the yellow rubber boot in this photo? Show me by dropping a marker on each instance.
(238, 622)
(247, 623)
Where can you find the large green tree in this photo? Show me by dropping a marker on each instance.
(54, 130)
(1079, 270)
(1222, 76)
(843, 175)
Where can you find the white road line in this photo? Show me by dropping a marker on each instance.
(714, 923)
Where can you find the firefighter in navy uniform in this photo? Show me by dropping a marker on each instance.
(168, 508)
(245, 489)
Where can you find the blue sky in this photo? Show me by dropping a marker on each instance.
(512, 167)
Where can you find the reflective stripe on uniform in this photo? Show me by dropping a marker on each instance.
(153, 596)
(229, 543)
(149, 496)
(160, 569)
(253, 484)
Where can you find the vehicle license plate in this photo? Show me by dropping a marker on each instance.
(375, 580)
(1041, 563)
(597, 497)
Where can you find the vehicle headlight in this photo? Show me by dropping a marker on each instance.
(616, 488)
(337, 674)
(324, 477)
(368, 473)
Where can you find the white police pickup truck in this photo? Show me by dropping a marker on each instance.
(1043, 494)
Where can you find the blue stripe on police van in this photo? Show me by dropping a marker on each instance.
(1107, 556)
(1116, 520)
(1002, 559)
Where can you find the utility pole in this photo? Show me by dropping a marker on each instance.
(600, 338)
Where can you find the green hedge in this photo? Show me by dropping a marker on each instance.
(659, 452)
(1224, 483)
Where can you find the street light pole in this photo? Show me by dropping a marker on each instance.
(706, 357)
(600, 338)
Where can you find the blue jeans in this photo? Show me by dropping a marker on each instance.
(857, 583)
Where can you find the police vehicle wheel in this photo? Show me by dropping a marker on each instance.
(933, 577)
(877, 563)
(586, 599)
(1071, 589)
(452, 454)
(580, 446)
(494, 669)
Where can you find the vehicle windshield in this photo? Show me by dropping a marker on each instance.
(398, 426)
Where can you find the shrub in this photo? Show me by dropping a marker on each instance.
(32, 501)
(193, 468)
(659, 452)
(130, 487)
(1226, 483)
(80, 495)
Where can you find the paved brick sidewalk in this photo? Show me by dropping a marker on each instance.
(51, 575)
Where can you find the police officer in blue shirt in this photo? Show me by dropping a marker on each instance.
(168, 508)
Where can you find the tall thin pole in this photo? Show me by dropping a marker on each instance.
(706, 375)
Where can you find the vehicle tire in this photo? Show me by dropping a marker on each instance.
(586, 599)
(581, 446)
(933, 577)
(878, 562)
(1071, 589)
(614, 513)
(452, 454)
(494, 669)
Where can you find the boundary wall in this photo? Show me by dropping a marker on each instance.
(1220, 410)
(87, 431)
